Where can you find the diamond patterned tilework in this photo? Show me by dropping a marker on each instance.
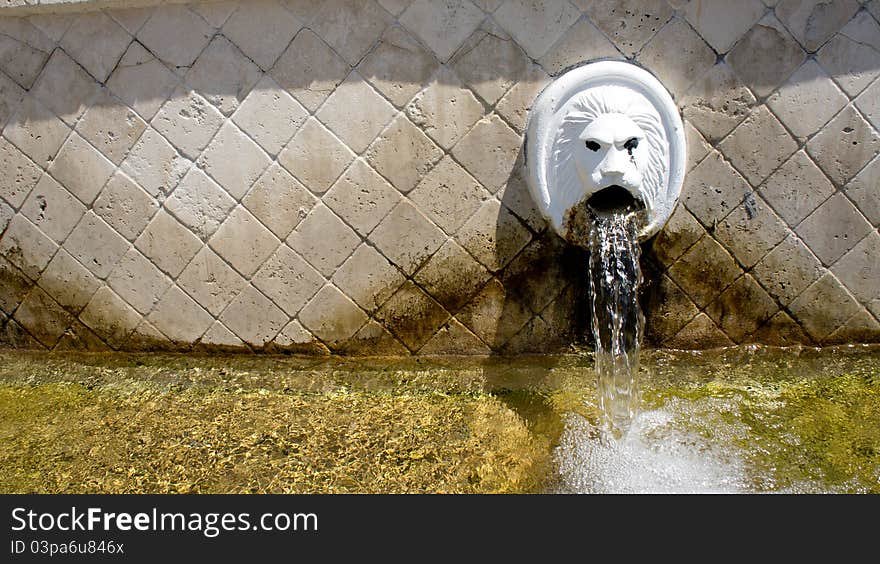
(347, 176)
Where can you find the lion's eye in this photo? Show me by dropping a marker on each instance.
(592, 145)
(631, 144)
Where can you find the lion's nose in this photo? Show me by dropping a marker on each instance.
(614, 163)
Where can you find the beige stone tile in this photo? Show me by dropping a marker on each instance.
(243, 241)
(53, 26)
(125, 206)
(25, 50)
(844, 146)
(536, 26)
(176, 35)
(751, 230)
(582, 43)
(516, 196)
(167, 243)
(704, 271)
(697, 146)
(860, 328)
(81, 168)
(398, 66)
(493, 316)
(693, 56)
(796, 188)
(288, 280)
(452, 276)
(717, 102)
(43, 317)
(493, 235)
(454, 339)
(332, 317)
(412, 316)
(15, 286)
(788, 270)
(868, 104)
(218, 337)
(210, 281)
(26, 247)
(677, 236)
(491, 67)
(445, 110)
(36, 131)
(361, 197)
(270, 116)
(309, 70)
(442, 26)
(742, 308)
(188, 121)
(833, 229)
(406, 237)
(297, 339)
(180, 318)
(448, 195)
(253, 317)
(823, 307)
(96, 42)
(262, 30)
(515, 105)
(850, 57)
(53, 209)
(749, 60)
(403, 154)
(11, 95)
(215, 13)
(350, 27)
(355, 112)
(758, 145)
(315, 156)
(781, 331)
(373, 340)
(138, 282)
(722, 23)
(629, 23)
(701, 333)
(154, 164)
(110, 317)
(667, 310)
(489, 151)
(18, 174)
(96, 245)
(813, 22)
(142, 81)
(807, 101)
(862, 190)
(279, 201)
(112, 127)
(132, 19)
(859, 271)
(199, 203)
(395, 7)
(310, 238)
(223, 75)
(65, 87)
(68, 282)
(712, 189)
(233, 160)
(368, 278)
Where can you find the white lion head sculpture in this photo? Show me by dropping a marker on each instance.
(598, 133)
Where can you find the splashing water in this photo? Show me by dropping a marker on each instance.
(617, 320)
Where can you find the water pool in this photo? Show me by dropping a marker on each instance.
(747, 419)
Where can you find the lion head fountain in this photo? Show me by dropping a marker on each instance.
(603, 138)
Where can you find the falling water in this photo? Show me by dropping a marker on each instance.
(617, 320)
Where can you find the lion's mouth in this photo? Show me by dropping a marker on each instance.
(614, 200)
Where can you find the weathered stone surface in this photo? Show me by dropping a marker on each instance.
(110, 317)
(788, 270)
(18, 174)
(629, 24)
(403, 154)
(368, 278)
(219, 338)
(442, 26)
(288, 280)
(796, 188)
(712, 189)
(668, 310)
(154, 164)
(188, 121)
(26, 247)
(445, 110)
(717, 102)
(350, 27)
(869, 106)
(515, 105)
(199, 203)
(42, 317)
(850, 56)
(96, 42)
(270, 116)
(179, 318)
(448, 195)
(813, 21)
(279, 201)
(315, 156)
(176, 35)
(844, 146)
(138, 282)
(210, 281)
(749, 60)
(68, 282)
(758, 146)
(10, 96)
(223, 74)
(65, 87)
(142, 81)
(332, 317)
(722, 23)
(36, 131)
(233, 160)
(488, 152)
(739, 322)
(355, 112)
(412, 316)
(452, 276)
(24, 50)
(81, 168)
(132, 19)
(807, 101)
(751, 230)
(125, 206)
(253, 317)
(243, 241)
(406, 237)
(859, 271)
(493, 235)
(860, 328)
(833, 229)
(53, 209)
(297, 339)
(491, 66)
(583, 42)
(700, 333)
(14, 286)
(309, 70)
(781, 331)
(96, 245)
(167, 243)
(111, 127)
(678, 235)
(824, 307)
(361, 197)
(310, 236)
(692, 56)
(492, 316)
(262, 29)
(454, 339)
(863, 191)
(704, 271)
(398, 67)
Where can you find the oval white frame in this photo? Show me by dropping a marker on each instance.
(545, 119)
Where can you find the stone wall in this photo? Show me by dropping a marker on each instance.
(344, 175)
